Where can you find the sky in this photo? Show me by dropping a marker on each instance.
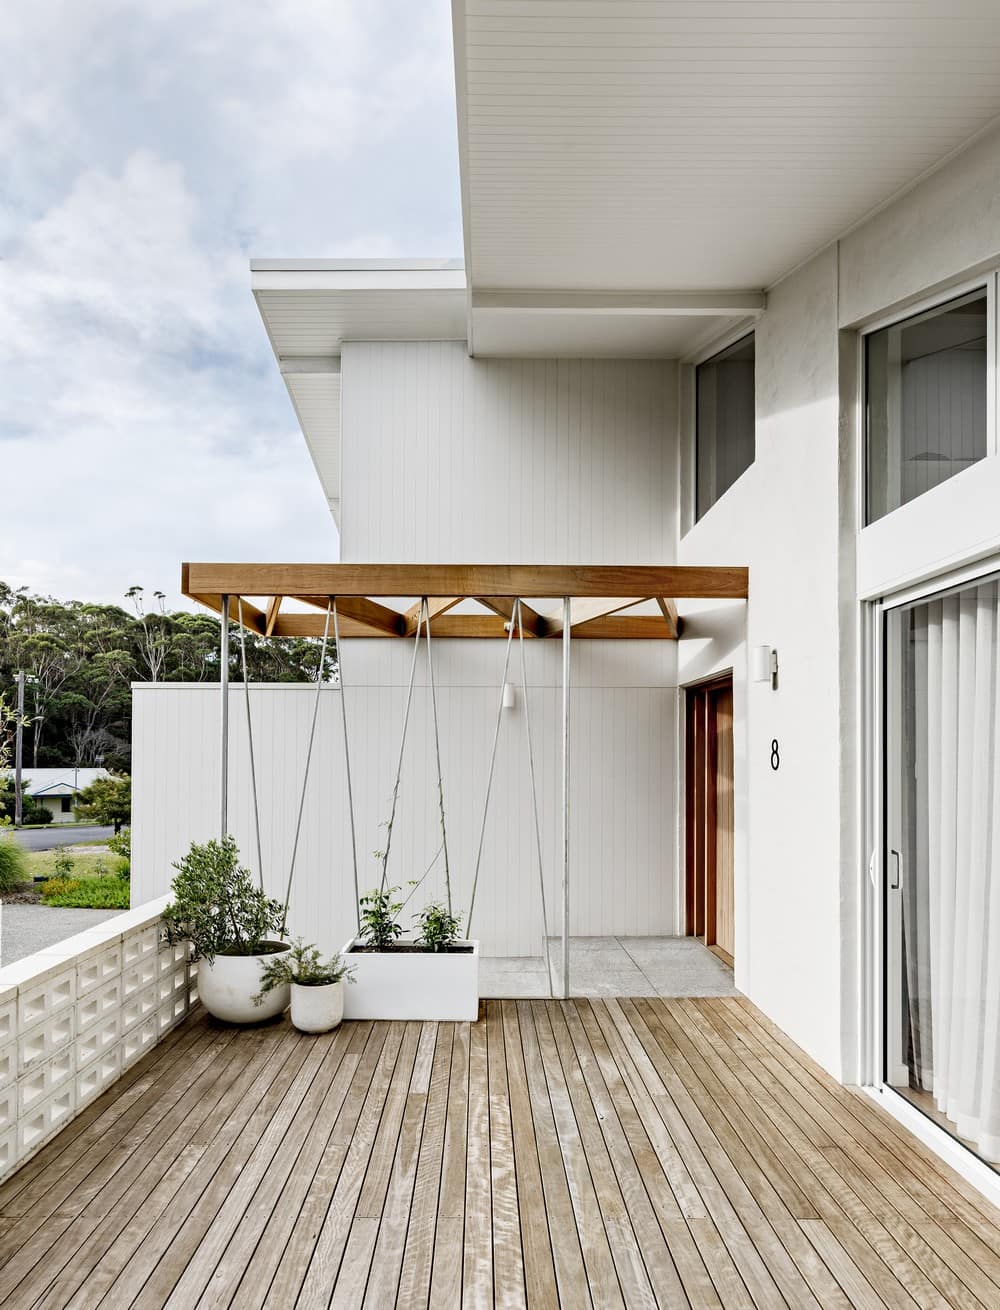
(149, 151)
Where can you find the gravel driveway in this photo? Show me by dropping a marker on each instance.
(25, 929)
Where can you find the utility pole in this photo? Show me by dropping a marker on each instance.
(18, 750)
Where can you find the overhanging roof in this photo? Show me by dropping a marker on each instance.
(603, 597)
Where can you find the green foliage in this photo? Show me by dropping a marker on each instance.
(303, 965)
(379, 928)
(121, 844)
(83, 658)
(107, 893)
(106, 801)
(32, 811)
(63, 864)
(13, 864)
(438, 928)
(217, 907)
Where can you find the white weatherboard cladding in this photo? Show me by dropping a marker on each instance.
(455, 460)
(781, 519)
(622, 803)
(316, 397)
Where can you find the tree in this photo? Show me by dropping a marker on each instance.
(106, 801)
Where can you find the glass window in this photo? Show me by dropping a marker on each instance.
(925, 381)
(724, 421)
(942, 880)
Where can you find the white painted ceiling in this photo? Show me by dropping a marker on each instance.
(701, 144)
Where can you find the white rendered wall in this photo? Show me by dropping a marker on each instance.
(448, 459)
(623, 709)
(781, 519)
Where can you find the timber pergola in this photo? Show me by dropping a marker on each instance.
(597, 595)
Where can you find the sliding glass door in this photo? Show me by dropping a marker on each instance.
(942, 846)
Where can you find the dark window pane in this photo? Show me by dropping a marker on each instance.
(724, 421)
(926, 401)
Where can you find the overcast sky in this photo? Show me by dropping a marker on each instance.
(149, 150)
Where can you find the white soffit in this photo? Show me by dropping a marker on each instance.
(701, 144)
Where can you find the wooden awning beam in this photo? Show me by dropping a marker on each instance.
(638, 581)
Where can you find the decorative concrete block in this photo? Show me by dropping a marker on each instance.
(99, 1038)
(142, 974)
(137, 945)
(139, 1040)
(97, 1075)
(43, 1080)
(8, 1151)
(40, 1000)
(171, 957)
(98, 1004)
(45, 1119)
(8, 1063)
(8, 1107)
(45, 1039)
(172, 1012)
(8, 1014)
(98, 969)
(140, 1006)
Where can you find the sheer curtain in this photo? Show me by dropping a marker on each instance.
(951, 885)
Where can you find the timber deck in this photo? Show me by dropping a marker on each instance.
(583, 1153)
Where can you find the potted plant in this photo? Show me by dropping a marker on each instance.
(317, 986)
(233, 928)
(434, 975)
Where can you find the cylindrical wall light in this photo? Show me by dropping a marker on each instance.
(509, 696)
(764, 665)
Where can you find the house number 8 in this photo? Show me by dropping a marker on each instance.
(775, 757)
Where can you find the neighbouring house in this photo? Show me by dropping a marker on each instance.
(57, 789)
(725, 304)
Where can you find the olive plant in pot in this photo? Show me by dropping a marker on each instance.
(233, 927)
(317, 986)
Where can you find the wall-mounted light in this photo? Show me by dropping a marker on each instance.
(764, 665)
(509, 696)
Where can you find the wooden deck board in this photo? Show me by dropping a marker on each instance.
(583, 1153)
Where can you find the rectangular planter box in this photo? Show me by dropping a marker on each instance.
(412, 984)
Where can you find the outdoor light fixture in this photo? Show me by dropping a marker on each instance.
(764, 665)
(509, 696)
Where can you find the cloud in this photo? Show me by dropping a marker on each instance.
(151, 152)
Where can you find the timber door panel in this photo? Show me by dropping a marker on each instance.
(709, 815)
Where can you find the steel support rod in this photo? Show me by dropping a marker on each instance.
(19, 753)
(224, 719)
(567, 620)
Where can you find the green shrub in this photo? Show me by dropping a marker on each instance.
(63, 865)
(108, 893)
(438, 928)
(58, 886)
(217, 907)
(121, 844)
(13, 864)
(378, 918)
(303, 965)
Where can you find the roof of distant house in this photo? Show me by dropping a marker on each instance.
(64, 781)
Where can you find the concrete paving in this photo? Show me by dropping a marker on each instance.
(613, 966)
(25, 929)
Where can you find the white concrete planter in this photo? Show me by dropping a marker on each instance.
(412, 984)
(228, 985)
(317, 1009)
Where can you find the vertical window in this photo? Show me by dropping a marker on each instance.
(67, 805)
(724, 421)
(942, 885)
(925, 383)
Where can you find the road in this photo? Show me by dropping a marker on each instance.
(62, 834)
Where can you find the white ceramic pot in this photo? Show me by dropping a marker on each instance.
(228, 985)
(317, 1009)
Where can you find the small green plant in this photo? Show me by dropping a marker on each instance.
(121, 844)
(438, 928)
(107, 893)
(217, 906)
(63, 865)
(303, 965)
(379, 928)
(13, 865)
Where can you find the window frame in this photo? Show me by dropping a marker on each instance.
(918, 308)
(718, 347)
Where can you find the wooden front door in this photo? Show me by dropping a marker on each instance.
(709, 815)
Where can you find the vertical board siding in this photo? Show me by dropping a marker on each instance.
(623, 712)
(450, 459)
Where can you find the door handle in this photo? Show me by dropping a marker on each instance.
(894, 885)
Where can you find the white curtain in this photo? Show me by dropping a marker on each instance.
(951, 815)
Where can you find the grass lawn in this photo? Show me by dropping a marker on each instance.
(86, 864)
